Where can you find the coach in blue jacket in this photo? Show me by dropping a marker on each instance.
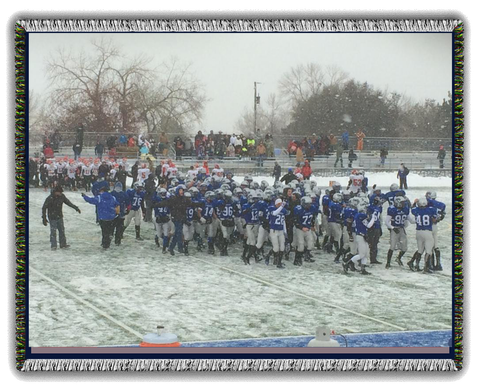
(108, 208)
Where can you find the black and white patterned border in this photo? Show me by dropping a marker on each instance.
(245, 25)
(238, 365)
(227, 25)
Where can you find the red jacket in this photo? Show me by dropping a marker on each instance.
(48, 152)
(306, 170)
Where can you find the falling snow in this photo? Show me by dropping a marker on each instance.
(84, 296)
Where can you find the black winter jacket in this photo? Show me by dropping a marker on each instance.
(52, 207)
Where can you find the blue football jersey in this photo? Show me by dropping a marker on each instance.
(207, 210)
(348, 215)
(399, 216)
(361, 222)
(262, 210)
(335, 212)
(439, 206)
(224, 210)
(424, 217)
(390, 196)
(276, 222)
(161, 211)
(190, 211)
(136, 199)
(304, 217)
(250, 213)
(375, 210)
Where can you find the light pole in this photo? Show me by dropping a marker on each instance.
(256, 101)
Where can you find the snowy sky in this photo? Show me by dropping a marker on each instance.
(418, 65)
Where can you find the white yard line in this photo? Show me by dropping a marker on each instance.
(84, 302)
(303, 295)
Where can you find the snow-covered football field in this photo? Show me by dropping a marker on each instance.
(84, 296)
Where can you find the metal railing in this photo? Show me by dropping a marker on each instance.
(415, 161)
(66, 139)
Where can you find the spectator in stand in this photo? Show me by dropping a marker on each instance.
(345, 140)
(188, 151)
(231, 151)
(239, 145)
(402, 176)
(153, 148)
(306, 170)
(292, 148)
(199, 144)
(131, 141)
(360, 136)
(56, 139)
(111, 142)
(99, 150)
(143, 149)
(298, 168)
(261, 153)
(210, 145)
(333, 143)
(140, 140)
(251, 146)
(48, 151)
(218, 137)
(211, 136)
(123, 140)
(441, 156)
(77, 149)
(233, 139)
(323, 149)
(179, 147)
(309, 148)
(339, 151)
(383, 156)
(151, 166)
(299, 155)
(163, 144)
(277, 171)
(351, 157)
(221, 149)
(269, 144)
(79, 133)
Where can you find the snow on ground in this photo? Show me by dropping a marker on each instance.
(84, 296)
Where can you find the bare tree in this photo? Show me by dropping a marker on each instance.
(335, 76)
(114, 93)
(244, 124)
(276, 114)
(126, 87)
(301, 82)
(175, 101)
(85, 81)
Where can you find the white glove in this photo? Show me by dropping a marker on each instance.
(202, 220)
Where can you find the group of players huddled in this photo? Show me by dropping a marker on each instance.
(272, 223)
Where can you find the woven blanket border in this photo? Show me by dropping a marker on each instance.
(22, 27)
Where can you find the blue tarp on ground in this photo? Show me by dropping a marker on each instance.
(437, 338)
